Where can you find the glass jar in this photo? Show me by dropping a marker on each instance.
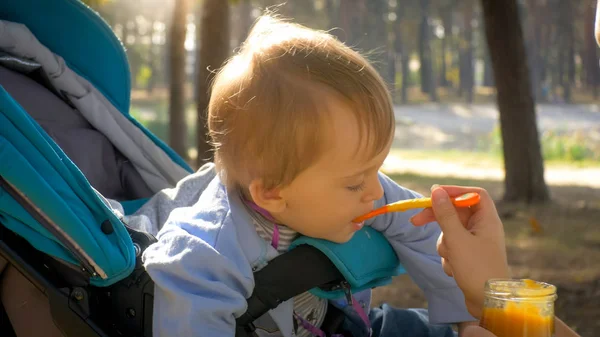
(519, 308)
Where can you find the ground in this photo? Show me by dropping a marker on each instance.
(566, 253)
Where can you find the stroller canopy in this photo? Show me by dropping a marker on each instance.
(87, 44)
(86, 66)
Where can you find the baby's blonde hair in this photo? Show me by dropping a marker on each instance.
(267, 108)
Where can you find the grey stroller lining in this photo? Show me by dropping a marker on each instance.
(153, 164)
(105, 167)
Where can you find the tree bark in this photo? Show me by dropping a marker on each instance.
(177, 124)
(350, 21)
(151, 60)
(488, 73)
(401, 49)
(332, 13)
(568, 46)
(376, 42)
(560, 67)
(546, 46)
(592, 71)
(428, 84)
(245, 13)
(213, 32)
(424, 56)
(447, 22)
(467, 79)
(536, 51)
(405, 74)
(523, 162)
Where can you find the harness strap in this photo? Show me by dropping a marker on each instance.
(286, 276)
(290, 274)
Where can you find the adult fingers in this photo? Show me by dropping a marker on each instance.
(446, 214)
(427, 216)
(485, 203)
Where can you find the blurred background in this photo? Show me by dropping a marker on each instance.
(456, 69)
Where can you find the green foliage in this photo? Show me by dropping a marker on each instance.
(154, 116)
(556, 146)
(143, 76)
(568, 147)
(453, 75)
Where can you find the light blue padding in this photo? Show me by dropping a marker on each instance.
(37, 167)
(89, 47)
(366, 261)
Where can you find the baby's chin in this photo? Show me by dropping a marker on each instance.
(348, 232)
(342, 238)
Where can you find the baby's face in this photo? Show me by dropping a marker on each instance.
(342, 185)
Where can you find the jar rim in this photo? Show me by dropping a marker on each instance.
(520, 289)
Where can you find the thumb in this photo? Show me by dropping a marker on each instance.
(475, 331)
(445, 213)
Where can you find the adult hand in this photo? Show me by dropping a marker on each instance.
(472, 243)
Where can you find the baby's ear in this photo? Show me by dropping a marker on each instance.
(269, 199)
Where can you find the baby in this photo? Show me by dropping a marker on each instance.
(301, 125)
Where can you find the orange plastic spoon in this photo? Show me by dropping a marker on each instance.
(465, 200)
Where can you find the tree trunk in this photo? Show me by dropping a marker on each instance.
(428, 84)
(537, 57)
(152, 66)
(405, 74)
(592, 71)
(467, 81)
(545, 46)
(447, 22)
(350, 21)
(213, 50)
(391, 72)
(522, 154)
(332, 13)
(568, 48)
(245, 16)
(424, 56)
(151, 60)
(402, 52)
(177, 124)
(443, 81)
(570, 53)
(376, 40)
(533, 39)
(455, 48)
(488, 73)
(560, 68)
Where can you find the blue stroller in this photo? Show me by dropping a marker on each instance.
(67, 146)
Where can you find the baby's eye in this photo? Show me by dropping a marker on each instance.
(356, 188)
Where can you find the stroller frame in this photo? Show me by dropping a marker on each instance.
(74, 302)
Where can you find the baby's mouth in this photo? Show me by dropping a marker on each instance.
(358, 226)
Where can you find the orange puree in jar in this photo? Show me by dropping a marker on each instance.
(519, 308)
